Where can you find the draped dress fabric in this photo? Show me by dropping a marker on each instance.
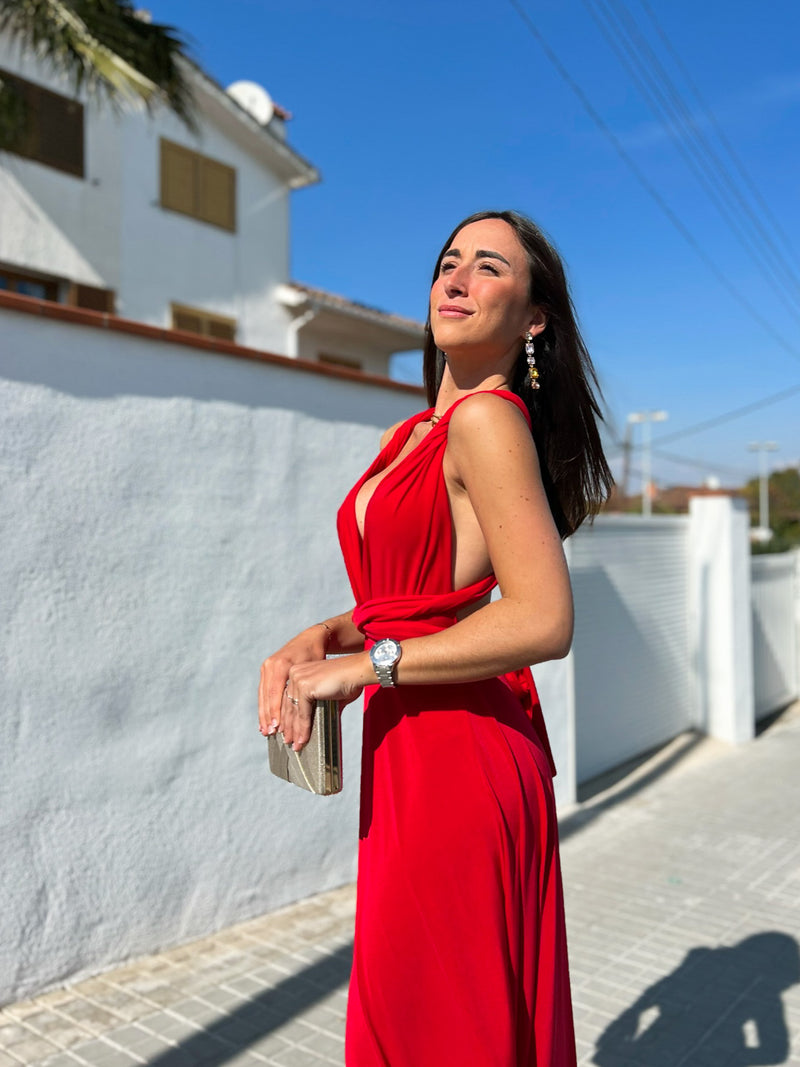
(460, 952)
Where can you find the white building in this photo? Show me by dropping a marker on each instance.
(130, 214)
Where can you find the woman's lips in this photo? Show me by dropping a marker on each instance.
(450, 311)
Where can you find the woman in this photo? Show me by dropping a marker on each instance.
(460, 949)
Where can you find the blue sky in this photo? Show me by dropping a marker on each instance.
(419, 113)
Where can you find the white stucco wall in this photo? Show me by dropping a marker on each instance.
(168, 257)
(312, 342)
(108, 229)
(54, 222)
(167, 520)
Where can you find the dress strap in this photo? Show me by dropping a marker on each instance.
(505, 393)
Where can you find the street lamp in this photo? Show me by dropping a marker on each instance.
(763, 447)
(646, 418)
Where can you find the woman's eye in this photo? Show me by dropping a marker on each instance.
(445, 267)
(490, 268)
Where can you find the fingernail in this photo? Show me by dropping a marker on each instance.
(274, 723)
(269, 731)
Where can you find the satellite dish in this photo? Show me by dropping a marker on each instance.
(255, 100)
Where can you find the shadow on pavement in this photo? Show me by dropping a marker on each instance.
(237, 1030)
(590, 809)
(721, 1007)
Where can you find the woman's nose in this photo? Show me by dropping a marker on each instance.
(455, 281)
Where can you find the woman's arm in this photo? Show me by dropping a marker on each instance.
(492, 455)
(342, 634)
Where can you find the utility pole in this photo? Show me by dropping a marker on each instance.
(646, 418)
(763, 447)
(626, 459)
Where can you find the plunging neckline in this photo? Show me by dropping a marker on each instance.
(414, 421)
(389, 470)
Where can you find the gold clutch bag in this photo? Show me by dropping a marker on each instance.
(318, 767)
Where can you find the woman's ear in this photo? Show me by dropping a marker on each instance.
(537, 323)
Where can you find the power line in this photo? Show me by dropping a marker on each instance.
(682, 461)
(728, 416)
(648, 186)
(712, 120)
(667, 104)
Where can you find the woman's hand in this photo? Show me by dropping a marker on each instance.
(339, 679)
(308, 646)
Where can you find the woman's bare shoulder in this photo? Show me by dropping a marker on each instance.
(484, 411)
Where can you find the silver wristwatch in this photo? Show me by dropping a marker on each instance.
(385, 656)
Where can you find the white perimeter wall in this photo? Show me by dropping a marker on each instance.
(776, 598)
(167, 520)
(631, 647)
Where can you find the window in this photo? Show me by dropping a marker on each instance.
(193, 320)
(340, 361)
(52, 130)
(198, 186)
(13, 281)
(91, 297)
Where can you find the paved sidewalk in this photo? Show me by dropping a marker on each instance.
(683, 908)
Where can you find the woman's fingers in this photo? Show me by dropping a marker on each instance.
(297, 718)
(271, 688)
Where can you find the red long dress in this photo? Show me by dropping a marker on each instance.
(460, 954)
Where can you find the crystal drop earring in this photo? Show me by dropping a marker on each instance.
(533, 372)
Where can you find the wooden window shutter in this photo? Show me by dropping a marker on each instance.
(178, 178)
(340, 361)
(222, 329)
(92, 297)
(61, 132)
(186, 320)
(54, 133)
(206, 323)
(217, 194)
(198, 186)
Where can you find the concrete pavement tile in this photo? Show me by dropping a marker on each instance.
(46, 1023)
(142, 1043)
(30, 1048)
(11, 1031)
(169, 1026)
(246, 1059)
(103, 1055)
(197, 1010)
(270, 1045)
(89, 1015)
(325, 1044)
(223, 999)
(8, 1061)
(325, 1018)
(300, 1057)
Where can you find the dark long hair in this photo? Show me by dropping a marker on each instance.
(565, 410)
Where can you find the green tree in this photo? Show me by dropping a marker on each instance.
(103, 46)
(784, 508)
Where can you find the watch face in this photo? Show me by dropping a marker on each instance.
(385, 652)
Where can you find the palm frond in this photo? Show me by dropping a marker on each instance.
(102, 46)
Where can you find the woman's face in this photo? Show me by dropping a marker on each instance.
(480, 301)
